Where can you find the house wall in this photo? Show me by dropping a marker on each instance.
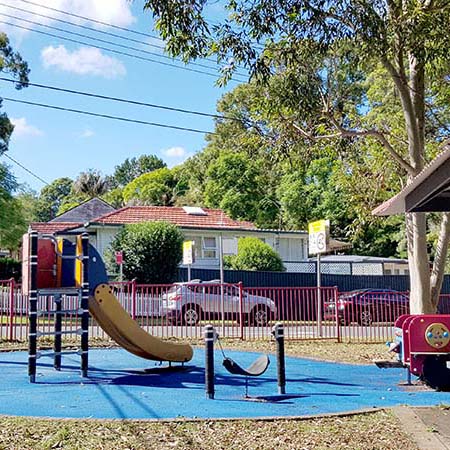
(290, 247)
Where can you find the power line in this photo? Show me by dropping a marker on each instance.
(103, 41)
(129, 30)
(142, 58)
(106, 33)
(108, 116)
(99, 22)
(25, 168)
(122, 100)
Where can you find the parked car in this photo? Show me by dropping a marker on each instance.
(188, 303)
(366, 306)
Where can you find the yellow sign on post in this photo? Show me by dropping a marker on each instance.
(188, 252)
(319, 236)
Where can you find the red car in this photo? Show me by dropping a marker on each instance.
(366, 306)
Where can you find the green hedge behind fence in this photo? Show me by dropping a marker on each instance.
(10, 268)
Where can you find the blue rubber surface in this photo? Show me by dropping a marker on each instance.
(114, 391)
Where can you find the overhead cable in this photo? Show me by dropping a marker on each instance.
(107, 116)
(142, 58)
(25, 168)
(123, 100)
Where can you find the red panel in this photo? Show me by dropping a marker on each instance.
(406, 339)
(46, 273)
(417, 328)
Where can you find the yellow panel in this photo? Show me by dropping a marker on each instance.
(110, 315)
(60, 250)
(79, 263)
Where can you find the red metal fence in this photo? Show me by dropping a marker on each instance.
(181, 311)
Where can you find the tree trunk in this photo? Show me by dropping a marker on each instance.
(419, 271)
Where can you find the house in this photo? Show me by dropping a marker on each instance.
(206, 227)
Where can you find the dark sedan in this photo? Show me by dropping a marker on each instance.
(366, 306)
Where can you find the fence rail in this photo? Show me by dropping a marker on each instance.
(247, 313)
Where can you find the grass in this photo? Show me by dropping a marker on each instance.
(374, 430)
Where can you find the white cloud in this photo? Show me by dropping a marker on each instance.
(87, 134)
(115, 12)
(175, 152)
(84, 61)
(23, 129)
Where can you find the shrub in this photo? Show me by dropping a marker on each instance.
(151, 251)
(253, 254)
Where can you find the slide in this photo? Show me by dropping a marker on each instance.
(118, 324)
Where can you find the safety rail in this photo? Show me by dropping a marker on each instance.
(181, 310)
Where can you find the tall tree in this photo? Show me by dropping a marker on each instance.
(134, 167)
(160, 188)
(325, 51)
(90, 184)
(51, 198)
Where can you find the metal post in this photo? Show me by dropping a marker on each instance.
(85, 305)
(32, 311)
(241, 312)
(209, 361)
(222, 280)
(58, 327)
(319, 297)
(11, 308)
(278, 332)
(338, 327)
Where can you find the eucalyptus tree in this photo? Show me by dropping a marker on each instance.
(326, 52)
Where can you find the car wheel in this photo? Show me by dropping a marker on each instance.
(191, 315)
(260, 316)
(365, 317)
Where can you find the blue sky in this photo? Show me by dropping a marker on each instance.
(54, 144)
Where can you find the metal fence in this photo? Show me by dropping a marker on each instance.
(247, 313)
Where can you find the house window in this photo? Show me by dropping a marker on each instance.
(209, 247)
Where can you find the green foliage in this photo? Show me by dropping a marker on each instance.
(151, 250)
(114, 197)
(160, 188)
(132, 168)
(90, 184)
(10, 268)
(253, 254)
(51, 198)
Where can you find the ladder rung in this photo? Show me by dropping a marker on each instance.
(63, 311)
(49, 354)
(61, 291)
(57, 333)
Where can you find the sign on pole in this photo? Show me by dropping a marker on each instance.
(119, 258)
(319, 236)
(188, 252)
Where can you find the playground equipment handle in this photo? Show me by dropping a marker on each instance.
(52, 238)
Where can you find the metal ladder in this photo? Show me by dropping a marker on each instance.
(58, 295)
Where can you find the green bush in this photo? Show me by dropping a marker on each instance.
(151, 251)
(253, 254)
(10, 268)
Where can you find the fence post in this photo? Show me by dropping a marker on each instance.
(11, 308)
(209, 333)
(133, 299)
(278, 333)
(241, 313)
(338, 328)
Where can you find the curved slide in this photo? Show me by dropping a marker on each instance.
(118, 324)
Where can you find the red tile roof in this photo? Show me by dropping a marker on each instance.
(214, 218)
(53, 227)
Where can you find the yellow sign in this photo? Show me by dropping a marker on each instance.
(188, 252)
(319, 236)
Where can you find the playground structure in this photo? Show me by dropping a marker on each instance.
(256, 369)
(422, 343)
(60, 269)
